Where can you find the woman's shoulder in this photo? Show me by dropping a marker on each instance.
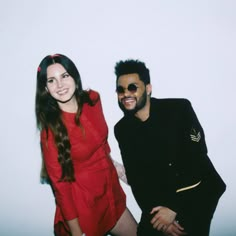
(93, 95)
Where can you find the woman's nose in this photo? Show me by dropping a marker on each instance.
(59, 83)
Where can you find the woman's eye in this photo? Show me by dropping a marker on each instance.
(50, 81)
(65, 75)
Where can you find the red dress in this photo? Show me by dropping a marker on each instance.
(96, 197)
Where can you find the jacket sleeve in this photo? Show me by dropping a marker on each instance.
(196, 170)
(196, 161)
(62, 190)
(195, 146)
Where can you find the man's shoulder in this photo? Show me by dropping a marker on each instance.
(168, 107)
(170, 101)
(120, 122)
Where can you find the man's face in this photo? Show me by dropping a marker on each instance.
(131, 93)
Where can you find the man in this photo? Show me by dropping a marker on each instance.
(165, 156)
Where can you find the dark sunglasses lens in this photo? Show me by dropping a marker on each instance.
(132, 88)
(120, 89)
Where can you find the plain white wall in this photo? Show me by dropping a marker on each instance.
(189, 47)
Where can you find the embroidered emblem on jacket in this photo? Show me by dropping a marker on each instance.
(195, 136)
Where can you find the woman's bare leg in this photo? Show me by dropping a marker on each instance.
(126, 225)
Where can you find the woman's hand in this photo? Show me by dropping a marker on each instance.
(120, 169)
(75, 227)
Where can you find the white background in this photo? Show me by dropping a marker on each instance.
(189, 47)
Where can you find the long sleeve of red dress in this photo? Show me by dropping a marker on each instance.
(62, 190)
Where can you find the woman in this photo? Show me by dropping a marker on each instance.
(89, 198)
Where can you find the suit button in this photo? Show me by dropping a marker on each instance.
(170, 164)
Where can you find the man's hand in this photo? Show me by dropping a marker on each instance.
(163, 217)
(174, 229)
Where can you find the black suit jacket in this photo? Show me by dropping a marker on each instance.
(166, 160)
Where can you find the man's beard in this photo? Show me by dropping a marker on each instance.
(139, 105)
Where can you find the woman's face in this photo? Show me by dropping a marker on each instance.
(60, 85)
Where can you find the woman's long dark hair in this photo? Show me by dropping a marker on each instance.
(48, 113)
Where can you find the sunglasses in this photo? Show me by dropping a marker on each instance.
(132, 88)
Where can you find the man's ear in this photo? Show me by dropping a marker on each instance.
(149, 89)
